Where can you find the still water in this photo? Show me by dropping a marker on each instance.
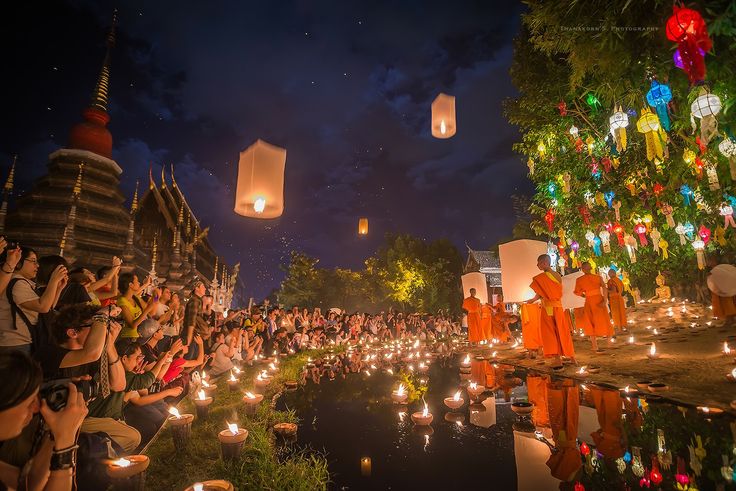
(577, 434)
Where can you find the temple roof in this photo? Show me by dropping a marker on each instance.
(486, 262)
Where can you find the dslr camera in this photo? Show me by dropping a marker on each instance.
(56, 392)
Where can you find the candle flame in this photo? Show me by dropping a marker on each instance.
(653, 350)
(733, 373)
(456, 397)
(233, 427)
(198, 486)
(443, 127)
(237, 370)
(121, 462)
(204, 383)
(494, 354)
(425, 411)
(466, 360)
(250, 395)
(204, 375)
(390, 372)
(232, 377)
(264, 374)
(726, 349)
(259, 205)
(201, 395)
(582, 369)
(416, 343)
(272, 366)
(400, 391)
(473, 385)
(174, 412)
(631, 339)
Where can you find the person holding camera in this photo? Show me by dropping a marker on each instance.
(12, 257)
(193, 321)
(133, 310)
(50, 466)
(20, 306)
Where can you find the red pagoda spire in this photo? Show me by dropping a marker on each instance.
(92, 133)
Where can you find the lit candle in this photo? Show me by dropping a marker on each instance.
(455, 401)
(232, 440)
(631, 340)
(181, 427)
(726, 349)
(202, 403)
(365, 466)
(128, 471)
(653, 355)
(399, 395)
(232, 382)
(423, 418)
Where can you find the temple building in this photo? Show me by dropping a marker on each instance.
(77, 210)
(486, 262)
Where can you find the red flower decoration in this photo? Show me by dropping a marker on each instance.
(579, 486)
(562, 107)
(584, 449)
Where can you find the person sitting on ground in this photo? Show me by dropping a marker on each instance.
(223, 352)
(134, 311)
(52, 467)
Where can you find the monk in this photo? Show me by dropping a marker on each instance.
(616, 300)
(530, 328)
(500, 321)
(556, 337)
(721, 280)
(537, 393)
(589, 286)
(486, 318)
(609, 438)
(471, 307)
(563, 399)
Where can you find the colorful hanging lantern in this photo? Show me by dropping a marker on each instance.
(260, 189)
(562, 107)
(640, 229)
(699, 247)
(574, 131)
(704, 234)
(592, 101)
(667, 211)
(609, 195)
(630, 242)
(705, 108)
(687, 194)
(727, 147)
(712, 174)
(680, 230)
(590, 142)
(566, 178)
(363, 226)
(549, 217)
(658, 97)
(605, 236)
(655, 235)
(689, 230)
(619, 231)
(663, 246)
(617, 209)
(606, 163)
(618, 122)
(687, 28)
(726, 212)
(443, 116)
(648, 124)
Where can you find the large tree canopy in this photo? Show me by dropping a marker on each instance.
(574, 64)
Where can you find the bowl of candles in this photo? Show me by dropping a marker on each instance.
(455, 401)
(522, 408)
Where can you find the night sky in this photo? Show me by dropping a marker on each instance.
(344, 86)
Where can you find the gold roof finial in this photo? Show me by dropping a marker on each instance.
(134, 204)
(163, 177)
(11, 175)
(100, 94)
(173, 179)
(215, 268)
(78, 184)
(151, 182)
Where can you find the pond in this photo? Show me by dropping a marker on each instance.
(599, 437)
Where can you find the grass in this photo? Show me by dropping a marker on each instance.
(263, 464)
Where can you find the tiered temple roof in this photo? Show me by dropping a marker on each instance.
(487, 263)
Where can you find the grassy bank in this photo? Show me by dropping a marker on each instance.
(263, 465)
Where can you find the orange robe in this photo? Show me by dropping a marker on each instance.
(472, 306)
(564, 410)
(616, 302)
(556, 337)
(486, 319)
(536, 387)
(498, 323)
(722, 306)
(589, 286)
(608, 438)
(530, 325)
(581, 320)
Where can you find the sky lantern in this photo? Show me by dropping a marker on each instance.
(260, 191)
(443, 116)
(363, 226)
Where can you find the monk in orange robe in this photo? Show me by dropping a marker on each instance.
(616, 300)
(589, 287)
(500, 321)
(486, 319)
(471, 306)
(530, 328)
(609, 438)
(556, 337)
(581, 321)
(564, 410)
(537, 392)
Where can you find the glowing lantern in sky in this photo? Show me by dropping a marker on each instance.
(363, 226)
(443, 116)
(260, 191)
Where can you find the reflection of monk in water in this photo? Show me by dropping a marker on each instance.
(536, 386)
(564, 408)
(609, 438)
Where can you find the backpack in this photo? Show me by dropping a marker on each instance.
(40, 335)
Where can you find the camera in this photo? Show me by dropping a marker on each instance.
(56, 392)
(10, 243)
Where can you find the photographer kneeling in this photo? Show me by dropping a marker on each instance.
(51, 462)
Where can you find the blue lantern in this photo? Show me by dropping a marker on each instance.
(687, 194)
(609, 198)
(658, 97)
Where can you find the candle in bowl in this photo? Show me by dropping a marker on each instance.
(400, 395)
(474, 390)
(231, 441)
(423, 417)
(181, 427)
(455, 401)
(262, 380)
(209, 389)
(202, 403)
(522, 408)
(286, 430)
(233, 383)
(291, 384)
(129, 472)
(732, 376)
(213, 485)
(465, 364)
(251, 401)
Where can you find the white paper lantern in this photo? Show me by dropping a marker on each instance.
(706, 105)
(618, 120)
(727, 147)
(478, 281)
(260, 190)
(443, 116)
(518, 267)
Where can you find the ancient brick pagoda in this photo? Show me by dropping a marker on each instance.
(78, 210)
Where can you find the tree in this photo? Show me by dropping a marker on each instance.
(302, 283)
(574, 63)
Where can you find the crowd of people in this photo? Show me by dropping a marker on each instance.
(98, 357)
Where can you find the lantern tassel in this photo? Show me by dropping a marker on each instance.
(654, 146)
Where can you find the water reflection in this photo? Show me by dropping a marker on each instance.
(567, 435)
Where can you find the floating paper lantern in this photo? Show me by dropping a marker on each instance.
(260, 191)
(363, 226)
(443, 116)
(518, 267)
(477, 281)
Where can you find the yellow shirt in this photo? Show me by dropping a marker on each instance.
(135, 311)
